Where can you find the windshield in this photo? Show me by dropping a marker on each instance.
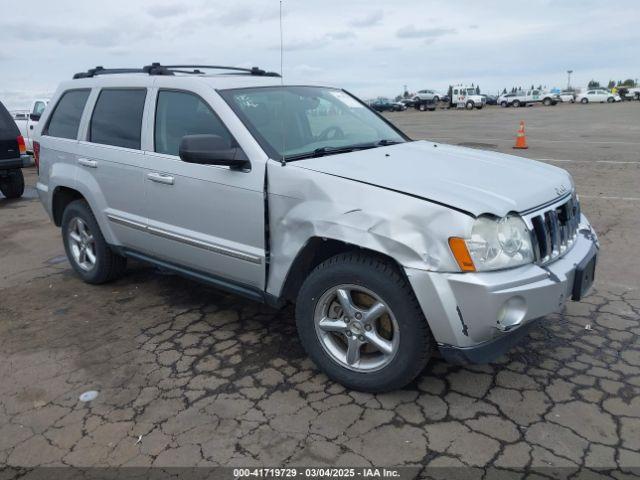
(294, 122)
(471, 91)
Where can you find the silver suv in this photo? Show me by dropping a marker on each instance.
(389, 248)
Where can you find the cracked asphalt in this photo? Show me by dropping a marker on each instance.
(190, 376)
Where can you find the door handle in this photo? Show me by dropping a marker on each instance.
(160, 178)
(85, 162)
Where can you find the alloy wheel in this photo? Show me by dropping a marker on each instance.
(82, 244)
(356, 328)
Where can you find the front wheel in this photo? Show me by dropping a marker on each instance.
(584, 100)
(88, 252)
(546, 102)
(516, 103)
(470, 105)
(361, 324)
(12, 185)
(504, 104)
(610, 100)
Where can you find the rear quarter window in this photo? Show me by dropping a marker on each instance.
(117, 117)
(65, 119)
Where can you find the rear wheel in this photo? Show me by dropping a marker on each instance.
(610, 100)
(361, 324)
(547, 102)
(516, 103)
(88, 252)
(584, 100)
(12, 185)
(504, 104)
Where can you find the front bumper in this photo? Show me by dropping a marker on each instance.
(476, 317)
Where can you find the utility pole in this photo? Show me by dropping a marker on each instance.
(569, 72)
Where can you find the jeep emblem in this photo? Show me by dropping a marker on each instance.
(561, 189)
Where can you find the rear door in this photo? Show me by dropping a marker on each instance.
(112, 163)
(207, 218)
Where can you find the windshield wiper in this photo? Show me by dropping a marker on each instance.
(323, 151)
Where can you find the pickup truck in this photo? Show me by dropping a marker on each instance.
(27, 125)
(523, 98)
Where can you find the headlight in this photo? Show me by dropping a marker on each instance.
(495, 243)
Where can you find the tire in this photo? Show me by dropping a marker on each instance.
(610, 100)
(107, 264)
(546, 102)
(422, 107)
(12, 186)
(366, 276)
(516, 103)
(436, 99)
(637, 97)
(584, 100)
(479, 107)
(504, 104)
(470, 105)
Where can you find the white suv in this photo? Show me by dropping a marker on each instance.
(390, 248)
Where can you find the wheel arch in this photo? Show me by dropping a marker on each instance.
(63, 196)
(316, 251)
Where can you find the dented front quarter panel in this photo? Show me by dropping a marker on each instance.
(304, 204)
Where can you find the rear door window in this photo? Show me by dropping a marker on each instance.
(117, 117)
(65, 119)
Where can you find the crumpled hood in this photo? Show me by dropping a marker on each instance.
(475, 181)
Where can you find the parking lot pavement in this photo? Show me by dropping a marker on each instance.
(190, 376)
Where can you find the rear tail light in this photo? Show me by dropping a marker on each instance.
(36, 155)
(22, 147)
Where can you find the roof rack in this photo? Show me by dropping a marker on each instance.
(158, 69)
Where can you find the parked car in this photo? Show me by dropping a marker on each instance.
(12, 156)
(490, 99)
(27, 125)
(632, 93)
(387, 105)
(467, 96)
(529, 97)
(567, 96)
(408, 102)
(597, 95)
(429, 95)
(389, 248)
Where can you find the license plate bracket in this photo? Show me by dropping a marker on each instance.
(585, 275)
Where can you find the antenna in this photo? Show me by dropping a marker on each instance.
(283, 162)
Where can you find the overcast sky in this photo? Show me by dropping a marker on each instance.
(370, 47)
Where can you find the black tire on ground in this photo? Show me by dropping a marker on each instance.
(436, 99)
(584, 100)
(12, 185)
(610, 100)
(516, 103)
(504, 104)
(547, 102)
(108, 265)
(470, 105)
(380, 276)
(479, 107)
(422, 107)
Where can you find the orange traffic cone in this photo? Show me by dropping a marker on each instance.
(521, 137)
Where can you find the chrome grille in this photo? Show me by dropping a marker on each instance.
(554, 230)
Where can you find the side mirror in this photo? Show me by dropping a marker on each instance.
(212, 150)
(35, 116)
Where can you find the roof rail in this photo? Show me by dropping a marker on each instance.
(158, 69)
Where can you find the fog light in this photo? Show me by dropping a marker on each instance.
(511, 314)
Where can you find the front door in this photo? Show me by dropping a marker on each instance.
(207, 218)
